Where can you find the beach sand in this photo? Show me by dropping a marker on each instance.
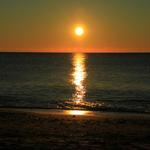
(55, 129)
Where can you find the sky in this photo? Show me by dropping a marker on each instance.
(48, 25)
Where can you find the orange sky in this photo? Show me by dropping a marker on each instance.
(48, 26)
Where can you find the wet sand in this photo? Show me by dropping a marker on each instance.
(56, 129)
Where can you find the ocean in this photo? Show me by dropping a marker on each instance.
(114, 82)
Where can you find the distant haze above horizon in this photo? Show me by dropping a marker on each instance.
(48, 25)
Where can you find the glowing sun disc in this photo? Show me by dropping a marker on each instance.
(79, 31)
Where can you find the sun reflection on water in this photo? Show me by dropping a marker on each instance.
(76, 112)
(78, 100)
(78, 78)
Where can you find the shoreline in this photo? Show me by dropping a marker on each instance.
(61, 111)
(68, 109)
(78, 113)
(58, 129)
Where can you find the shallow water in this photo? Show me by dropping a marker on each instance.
(105, 82)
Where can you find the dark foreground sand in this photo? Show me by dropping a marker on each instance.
(49, 129)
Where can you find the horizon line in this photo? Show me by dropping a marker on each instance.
(74, 50)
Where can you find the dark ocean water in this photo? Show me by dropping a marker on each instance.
(104, 82)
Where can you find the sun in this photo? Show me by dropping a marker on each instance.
(79, 31)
